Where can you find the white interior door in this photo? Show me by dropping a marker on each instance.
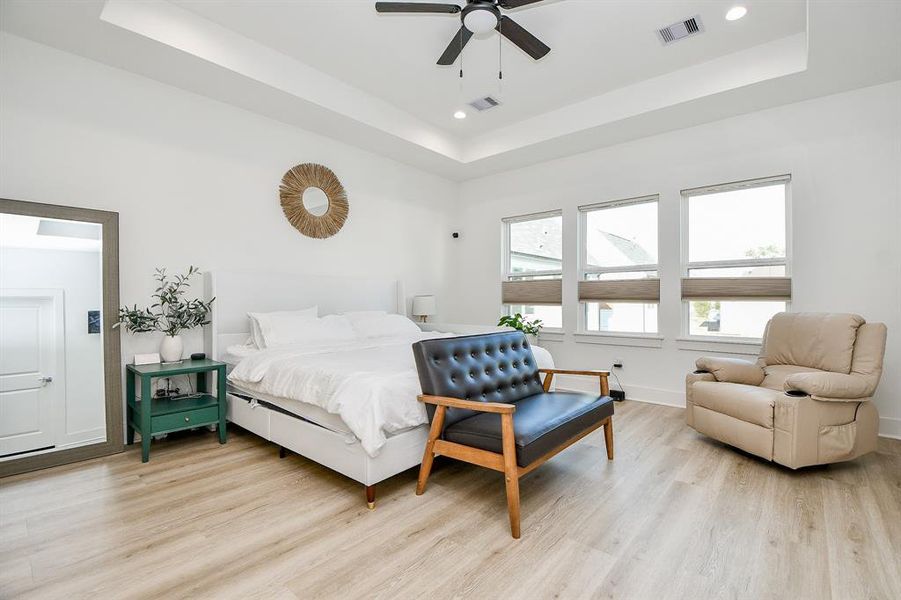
(30, 340)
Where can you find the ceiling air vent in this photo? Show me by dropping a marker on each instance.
(485, 103)
(681, 30)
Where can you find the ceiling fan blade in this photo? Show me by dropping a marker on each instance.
(514, 32)
(453, 49)
(416, 7)
(515, 3)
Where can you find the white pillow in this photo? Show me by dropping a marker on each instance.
(383, 325)
(261, 321)
(331, 329)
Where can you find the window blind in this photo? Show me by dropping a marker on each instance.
(723, 288)
(624, 290)
(532, 291)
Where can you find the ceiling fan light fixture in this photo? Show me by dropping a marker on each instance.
(736, 12)
(478, 16)
(480, 20)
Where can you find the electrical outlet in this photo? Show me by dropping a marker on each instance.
(617, 363)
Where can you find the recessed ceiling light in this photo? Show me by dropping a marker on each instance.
(736, 12)
(459, 115)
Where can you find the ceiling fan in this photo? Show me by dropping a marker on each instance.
(478, 16)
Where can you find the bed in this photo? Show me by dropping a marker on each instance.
(349, 405)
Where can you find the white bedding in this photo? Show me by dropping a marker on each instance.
(372, 385)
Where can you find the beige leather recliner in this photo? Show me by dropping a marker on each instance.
(806, 401)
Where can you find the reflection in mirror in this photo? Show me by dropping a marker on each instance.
(315, 201)
(51, 345)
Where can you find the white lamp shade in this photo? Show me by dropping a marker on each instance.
(480, 21)
(423, 306)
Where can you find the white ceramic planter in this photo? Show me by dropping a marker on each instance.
(171, 348)
(533, 339)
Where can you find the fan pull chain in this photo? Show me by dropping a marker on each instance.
(500, 61)
(461, 53)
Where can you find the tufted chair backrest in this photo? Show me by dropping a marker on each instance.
(492, 367)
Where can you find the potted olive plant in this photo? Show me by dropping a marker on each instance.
(530, 328)
(171, 313)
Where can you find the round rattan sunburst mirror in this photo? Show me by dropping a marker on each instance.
(325, 220)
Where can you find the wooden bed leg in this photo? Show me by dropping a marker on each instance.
(370, 496)
(282, 453)
(429, 455)
(608, 437)
(511, 472)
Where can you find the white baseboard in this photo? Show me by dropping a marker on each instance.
(650, 395)
(889, 427)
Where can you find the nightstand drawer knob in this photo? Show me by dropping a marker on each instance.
(187, 419)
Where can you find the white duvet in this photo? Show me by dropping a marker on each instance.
(372, 385)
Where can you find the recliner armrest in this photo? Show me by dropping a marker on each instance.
(489, 407)
(831, 386)
(731, 370)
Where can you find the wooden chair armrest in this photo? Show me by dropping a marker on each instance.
(489, 407)
(601, 375)
(589, 372)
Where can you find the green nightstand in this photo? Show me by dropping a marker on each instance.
(163, 415)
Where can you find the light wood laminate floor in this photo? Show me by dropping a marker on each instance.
(675, 515)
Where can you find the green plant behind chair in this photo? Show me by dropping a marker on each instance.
(522, 324)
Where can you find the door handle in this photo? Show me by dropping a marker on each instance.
(45, 379)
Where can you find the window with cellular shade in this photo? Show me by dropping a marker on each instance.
(619, 288)
(735, 257)
(533, 267)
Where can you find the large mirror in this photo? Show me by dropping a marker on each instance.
(60, 392)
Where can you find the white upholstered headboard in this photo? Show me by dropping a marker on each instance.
(240, 292)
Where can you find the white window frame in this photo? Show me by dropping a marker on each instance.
(506, 271)
(686, 266)
(585, 270)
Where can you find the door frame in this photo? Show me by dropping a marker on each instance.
(112, 353)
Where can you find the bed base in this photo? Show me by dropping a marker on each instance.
(369, 489)
(333, 450)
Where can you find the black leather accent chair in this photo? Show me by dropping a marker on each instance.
(489, 406)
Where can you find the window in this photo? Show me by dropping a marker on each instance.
(735, 257)
(619, 288)
(533, 267)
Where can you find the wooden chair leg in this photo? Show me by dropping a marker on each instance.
(370, 496)
(511, 472)
(429, 455)
(608, 437)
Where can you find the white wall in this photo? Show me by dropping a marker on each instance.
(844, 155)
(196, 182)
(77, 273)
